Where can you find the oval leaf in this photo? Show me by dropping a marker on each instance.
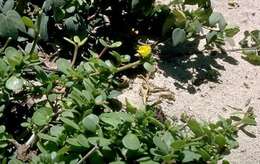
(131, 142)
(13, 56)
(13, 83)
(63, 65)
(149, 67)
(178, 36)
(70, 123)
(42, 116)
(90, 122)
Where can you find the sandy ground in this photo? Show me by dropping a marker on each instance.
(238, 83)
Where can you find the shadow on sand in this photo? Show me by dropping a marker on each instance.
(194, 69)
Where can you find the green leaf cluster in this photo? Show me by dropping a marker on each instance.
(61, 67)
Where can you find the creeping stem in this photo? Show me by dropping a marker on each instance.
(128, 66)
(5, 45)
(75, 54)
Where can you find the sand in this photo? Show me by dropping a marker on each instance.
(238, 84)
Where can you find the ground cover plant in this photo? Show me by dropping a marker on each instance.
(61, 70)
(250, 46)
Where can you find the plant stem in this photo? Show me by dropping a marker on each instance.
(37, 32)
(130, 65)
(31, 140)
(34, 43)
(88, 154)
(75, 54)
(103, 52)
(5, 45)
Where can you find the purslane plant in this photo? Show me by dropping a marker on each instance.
(74, 121)
(62, 108)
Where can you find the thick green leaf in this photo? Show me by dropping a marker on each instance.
(99, 100)
(252, 57)
(231, 31)
(43, 26)
(131, 142)
(15, 161)
(217, 18)
(149, 162)
(255, 35)
(10, 24)
(195, 127)
(211, 36)
(249, 121)
(3, 68)
(2, 129)
(70, 123)
(115, 45)
(225, 162)
(104, 43)
(180, 18)
(190, 156)
(204, 154)
(178, 36)
(9, 5)
(163, 142)
(111, 121)
(135, 3)
(72, 24)
(167, 138)
(157, 140)
(73, 142)
(83, 141)
(149, 67)
(27, 21)
(103, 142)
(59, 14)
(114, 94)
(76, 96)
(76, 39)
(90, 122)
(57, 130)
(117, 162)
(47, 137)
(130, 107)
(15, 84)
(42, 116)
(194, 27)
(116, 118)
(4, 32)
(63, 65)
(178, 144)
(220, 140)
(13, 56)
(16, 20)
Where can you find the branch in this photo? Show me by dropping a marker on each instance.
(88, 154)
(130, 65)
(102, 52)
(31, 140)
(5, 45)
(75, 54)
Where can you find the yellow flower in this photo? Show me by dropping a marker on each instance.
(144, 50)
